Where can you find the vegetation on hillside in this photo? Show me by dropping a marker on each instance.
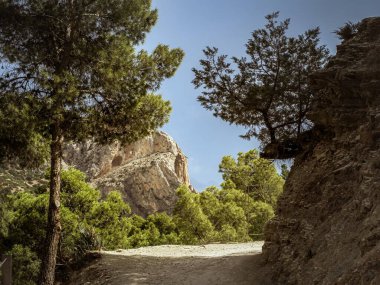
(228, 214)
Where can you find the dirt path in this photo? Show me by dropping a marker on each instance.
(215, 264)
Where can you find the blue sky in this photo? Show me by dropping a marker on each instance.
(227, 24)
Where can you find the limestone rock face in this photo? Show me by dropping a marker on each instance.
(146, 172)
(327, 229)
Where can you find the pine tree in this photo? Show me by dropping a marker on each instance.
(268, 91)
(70, 67)
(253, 175)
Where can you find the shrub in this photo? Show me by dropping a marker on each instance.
(26, 265)
(193, 225)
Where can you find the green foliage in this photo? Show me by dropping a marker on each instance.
(156, 229)
(227, 217)
(137, 236)
(268, 91)
(240, 210)
(73, 65)
(77, 195)
(166, 229)
(29, 210)
(220, 215)
(102, 221)
(19, 142)
(193, 225)
(69, 69)
(26, 265)
(233, 216)
(228, 233)
(88, 223)
(230, 209)
(109, 218)
(253, 175)
(257, 216)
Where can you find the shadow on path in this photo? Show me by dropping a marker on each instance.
(136, 270)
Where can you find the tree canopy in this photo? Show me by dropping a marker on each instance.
(267, 91)
(71, 69)
(253, 175)
(73, 63)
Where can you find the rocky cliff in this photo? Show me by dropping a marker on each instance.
(327, 229)
(147, 172)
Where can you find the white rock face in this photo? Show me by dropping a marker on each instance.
(146, 172)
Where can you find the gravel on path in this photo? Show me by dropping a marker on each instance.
(212, 264)
(208, 250)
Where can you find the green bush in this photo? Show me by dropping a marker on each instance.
(89, 223)
(253, 175)
(193, 225)
(227, 233)
(163, 229)
(109, 218)
(26, 265)
(257, 217)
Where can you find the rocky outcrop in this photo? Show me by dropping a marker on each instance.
(327, 228)
(146, 172)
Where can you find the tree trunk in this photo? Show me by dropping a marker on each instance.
(269, 126)
(53, 233)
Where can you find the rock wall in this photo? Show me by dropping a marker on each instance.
(147, 172)
(327, 229)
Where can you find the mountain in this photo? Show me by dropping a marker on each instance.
(146, 172)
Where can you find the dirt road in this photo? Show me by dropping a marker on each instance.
(215, 264)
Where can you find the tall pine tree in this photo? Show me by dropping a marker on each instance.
(71, 69)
